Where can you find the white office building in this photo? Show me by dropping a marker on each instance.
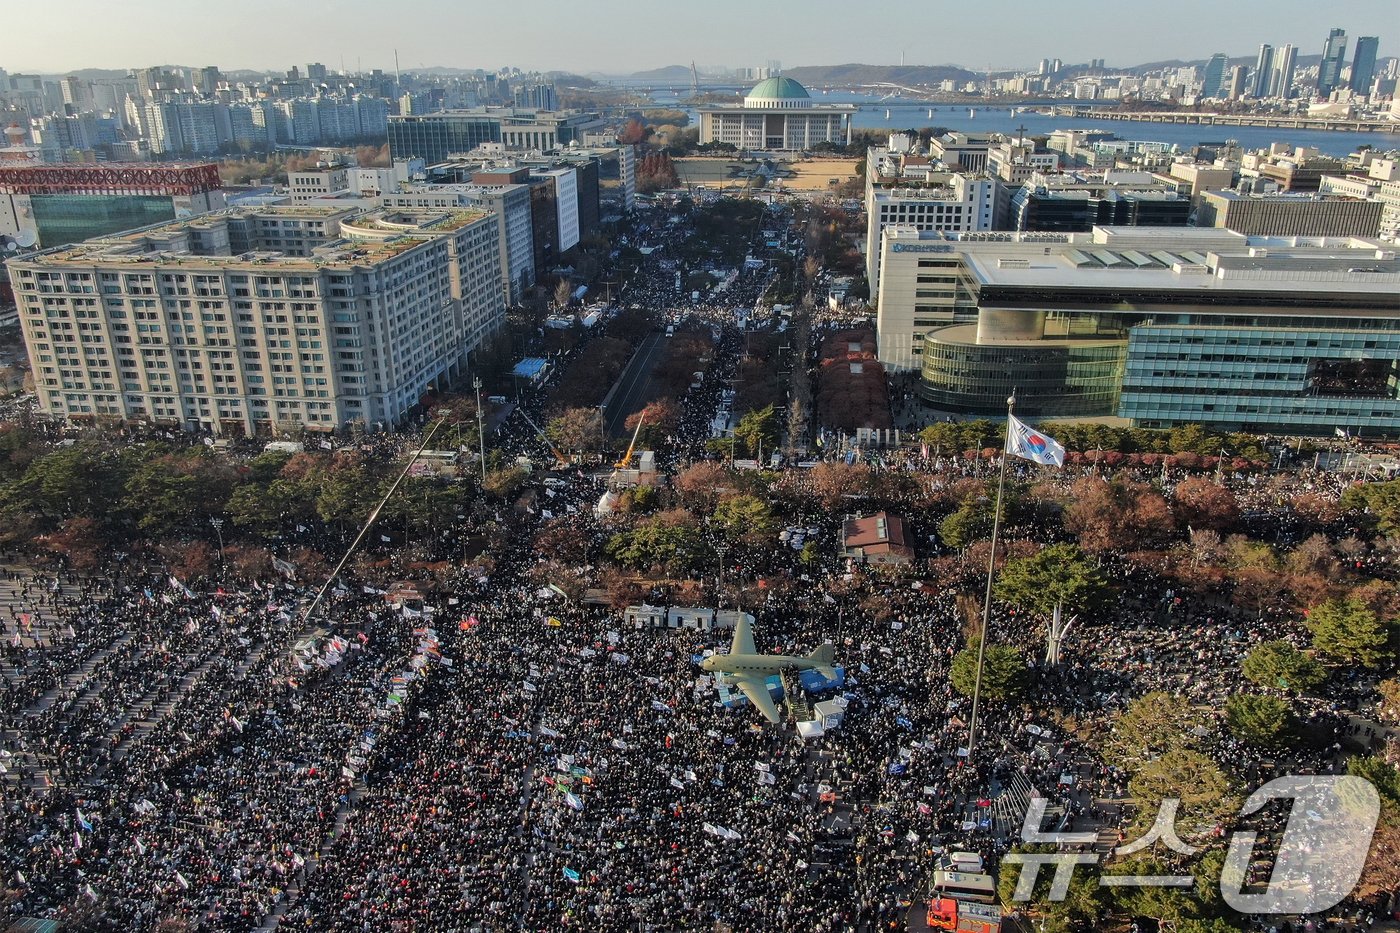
(260, 321)
(966, 204)
(566, 197)
(509, 204)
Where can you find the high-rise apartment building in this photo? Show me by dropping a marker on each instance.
(1285, 63)
(509, 204)
(261, 321)
(207, 80)
(536, 97)
(1334, 57)
(1363, 64)
(1263, 71)
(1238, 87)
(1214, 83)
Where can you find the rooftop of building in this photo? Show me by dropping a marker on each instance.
(780, 92)
(371, 238)
(1168, 258)
(455, 188)
(780, 87)
(407, 221)
(1290, 197)
(513, 115)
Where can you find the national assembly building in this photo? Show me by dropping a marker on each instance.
(778, 114)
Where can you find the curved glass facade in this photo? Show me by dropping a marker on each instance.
(1049, 377)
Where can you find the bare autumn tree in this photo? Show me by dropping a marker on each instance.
(194, 560)
(700, 485)
(1119, 516)
(563, 539)
(658, 419)
(576, 430)
(563, 293)
(832, 482)
(79, 539)
(634, 131)
(249, 561)
(1201, 503)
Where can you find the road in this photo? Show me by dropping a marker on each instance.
(633, 388)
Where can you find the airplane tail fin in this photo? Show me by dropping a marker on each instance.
(823, 658)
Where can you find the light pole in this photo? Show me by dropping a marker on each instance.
(480, 430)
(720, 578)
(218, 524)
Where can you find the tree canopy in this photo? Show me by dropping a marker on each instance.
(1258, 720)
(1059, 575)
(1152, 725)
(1280, 666)
(1004, 674)
(1347, 630)
(1120, 515)
(758, 430)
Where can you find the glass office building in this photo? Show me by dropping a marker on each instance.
(1160, 327)
(72, 218)
(1283, 377)
(433, 137)
(1058, 377)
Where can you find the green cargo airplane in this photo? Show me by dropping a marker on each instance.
(748, 670)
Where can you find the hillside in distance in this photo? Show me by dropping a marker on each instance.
(668, 73)
(854, 73)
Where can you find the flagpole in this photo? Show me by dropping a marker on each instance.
(991, 573)
(369, 522)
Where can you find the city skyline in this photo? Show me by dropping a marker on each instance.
(614, 41)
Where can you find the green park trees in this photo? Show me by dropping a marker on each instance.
(746, 517)
(971, 521)
(669, 540)
(1004, 674)
(1347, 630)
(1380, 501)
(1277, 665)
(757, 431)
(1152, 725)
(1083, 906)
(1059, 576)
(1258, 720)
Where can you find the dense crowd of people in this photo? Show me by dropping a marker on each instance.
(504, 757)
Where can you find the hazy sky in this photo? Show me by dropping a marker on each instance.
(618, 36)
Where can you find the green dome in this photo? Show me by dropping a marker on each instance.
(780, 88)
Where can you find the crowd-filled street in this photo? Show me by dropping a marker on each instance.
(509, 754)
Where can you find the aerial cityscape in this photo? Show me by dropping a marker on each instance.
(806, 470)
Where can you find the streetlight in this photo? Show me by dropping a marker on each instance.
(480, 430)
(719, 596)
(218, 524)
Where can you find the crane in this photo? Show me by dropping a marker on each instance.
(626, 461)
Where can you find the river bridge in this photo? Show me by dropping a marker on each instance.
(1230, 119)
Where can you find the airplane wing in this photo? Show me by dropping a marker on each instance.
(743, 638)
(757, 691)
